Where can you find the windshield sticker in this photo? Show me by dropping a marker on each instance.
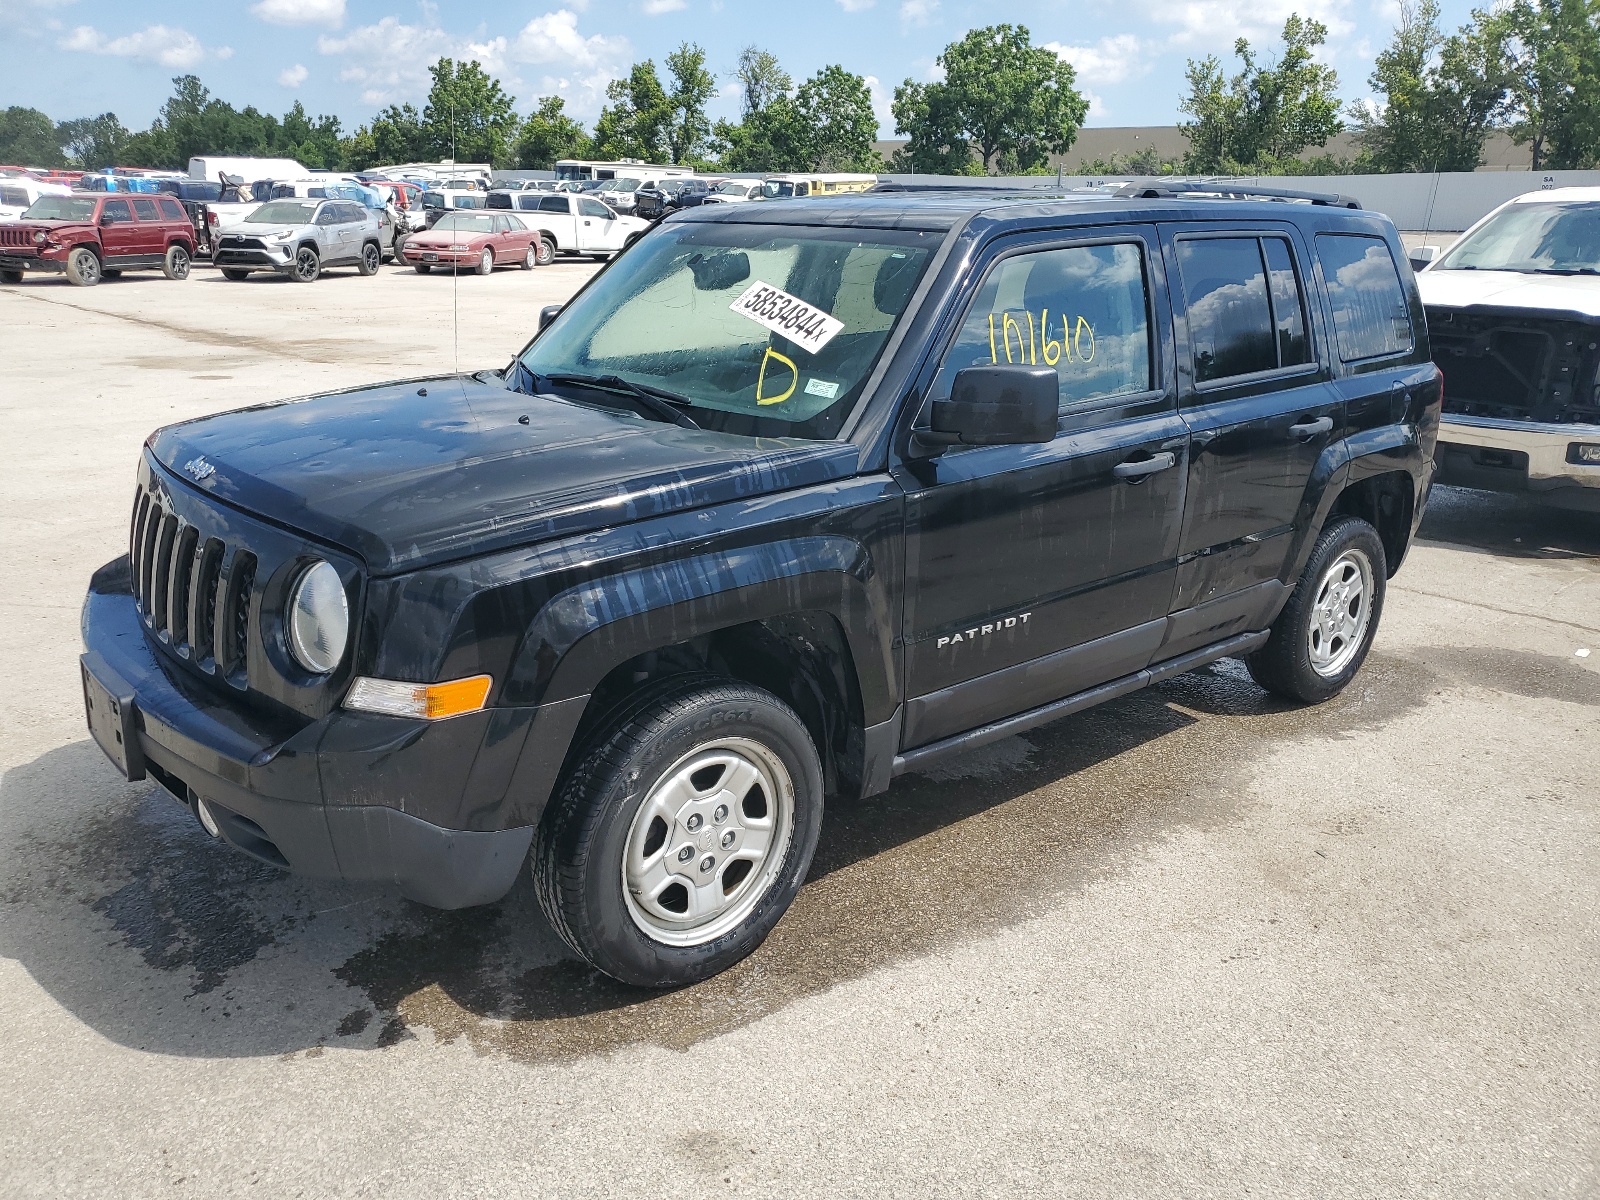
(1076, 343)
(788, 316)
(826, 388)
(761, 378)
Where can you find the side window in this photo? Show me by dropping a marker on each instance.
(1370, 314)
(593, 208)
(555, 204)
(1230, 315)
(514, 224)
(328, 215)
(146, 210)
(528, 203)
(172, 210)
(1081, 309)
(116, 212)
(1288, 304)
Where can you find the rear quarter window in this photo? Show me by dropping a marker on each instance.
(1370, 315)
(173, 211)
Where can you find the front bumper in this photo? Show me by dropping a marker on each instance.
(349, 796)
(31, 262)
(277, 260)
(412, 255)
(1500, 455)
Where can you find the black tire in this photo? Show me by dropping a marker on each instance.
(421, 268)
(371, 259)
(10, 276)
(177, 262)
(485, 263)
(110, 273)
(1285, 666)
(547, 252)
(579, 852)
(83, 267)
(235, 274)
(307, 265)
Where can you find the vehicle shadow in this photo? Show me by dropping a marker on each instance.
(1508, 526)
(129, 917)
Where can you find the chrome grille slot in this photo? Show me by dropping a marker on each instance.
(141, 509)
(203, 609)
(161, 571)
(181, 573)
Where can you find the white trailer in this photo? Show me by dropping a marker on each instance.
(213, 166)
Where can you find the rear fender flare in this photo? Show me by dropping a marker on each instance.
(1371, 452)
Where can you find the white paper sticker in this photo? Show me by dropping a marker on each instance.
(809, 328)
(826, 388)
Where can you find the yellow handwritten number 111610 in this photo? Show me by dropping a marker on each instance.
(1076, 344)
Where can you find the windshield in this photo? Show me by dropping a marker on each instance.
(1560, 238)
(664, 317)
(731, 187)
(774, 189)
(466, 223)
(283, 212)
(61, 208)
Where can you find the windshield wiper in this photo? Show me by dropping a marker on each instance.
(657, 402)
(1564, 271)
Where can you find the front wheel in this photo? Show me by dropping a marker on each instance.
(83, 267)
(235, 274)
(684, 833)
(307, 266)
(10, 276)
(371, 259)
(421, 268)
(1322, 636)
(486, 262)
(176, 264)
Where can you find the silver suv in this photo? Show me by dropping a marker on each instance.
(299, 237)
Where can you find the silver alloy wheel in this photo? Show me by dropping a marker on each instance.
(708, 842)
(486, 263)
(1340, 613)
(178, 263)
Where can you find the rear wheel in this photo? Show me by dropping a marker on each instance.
(83, 267)
(531, 259)
(1322, 636)
(547, 252)
(371, 259)
(486, 262)
(10, 276)
(176, 264)
(307, 266)
(235, 274)
(421, 268)
(684, 833)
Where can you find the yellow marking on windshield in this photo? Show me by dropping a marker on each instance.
(761, 377)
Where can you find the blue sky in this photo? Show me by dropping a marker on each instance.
(350, 57)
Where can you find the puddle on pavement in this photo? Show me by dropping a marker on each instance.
(961, 852)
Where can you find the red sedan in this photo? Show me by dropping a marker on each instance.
(476, 240)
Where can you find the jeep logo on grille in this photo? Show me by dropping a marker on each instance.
(200, 469)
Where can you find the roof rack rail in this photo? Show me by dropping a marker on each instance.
(1225, 189)
(891, 185)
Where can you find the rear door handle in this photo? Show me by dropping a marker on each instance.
(1311, 428)
(1145, 466)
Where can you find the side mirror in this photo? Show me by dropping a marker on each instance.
(1421, 256)
(547, 314)
(996, 406)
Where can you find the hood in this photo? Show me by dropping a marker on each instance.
(244, 228)
(406, 480)
(1567, 295)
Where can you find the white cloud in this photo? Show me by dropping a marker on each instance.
(157, 43)
(654, 8)
(301, 12)
(918, 12)
(856, 5)
(292, 77)
(388, 60)
(1214, 24)
(1110, 60)
(554, 38)
(882, 100)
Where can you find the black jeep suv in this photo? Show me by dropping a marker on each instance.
(788, 500)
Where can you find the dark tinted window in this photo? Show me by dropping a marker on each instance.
(498, 200)
(1288, 308)
(555, 204)
(116, 212)
(1080, 309)
(146, 210)
(1230, 317)
(173, 211)
(1369, 305)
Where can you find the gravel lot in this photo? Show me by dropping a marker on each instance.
(1195, 943)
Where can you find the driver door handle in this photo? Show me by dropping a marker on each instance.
(1145, 466)
(1311, 428)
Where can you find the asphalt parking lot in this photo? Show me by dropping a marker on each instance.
(1193, 943)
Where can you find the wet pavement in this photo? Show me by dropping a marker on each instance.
(1194, 942)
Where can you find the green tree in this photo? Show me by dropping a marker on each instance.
(1012, 102)
(935, 144)
(836, 125)
(1147, 161)
(762, 79)
(469, 117)
(93, 143)
(1269, 111)
(28, 139)
(396, 135)
(636, 122)
(692, 87)
(549, 134)
(1439, 95)
(1553, 60)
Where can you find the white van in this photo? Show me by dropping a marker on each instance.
(18, 193)
(213, 167)
(584, 168)
(782, 187)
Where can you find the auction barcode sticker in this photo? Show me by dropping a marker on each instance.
(789, 316)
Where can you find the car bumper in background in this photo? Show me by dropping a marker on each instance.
(1546, 460)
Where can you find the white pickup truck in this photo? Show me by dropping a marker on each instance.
(573, 224)
(1514, 321)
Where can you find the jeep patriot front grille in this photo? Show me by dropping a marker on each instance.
(193, 593)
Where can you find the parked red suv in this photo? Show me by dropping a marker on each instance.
(90, 237)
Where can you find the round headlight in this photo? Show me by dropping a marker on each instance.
(40, 238)
(319, 619)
